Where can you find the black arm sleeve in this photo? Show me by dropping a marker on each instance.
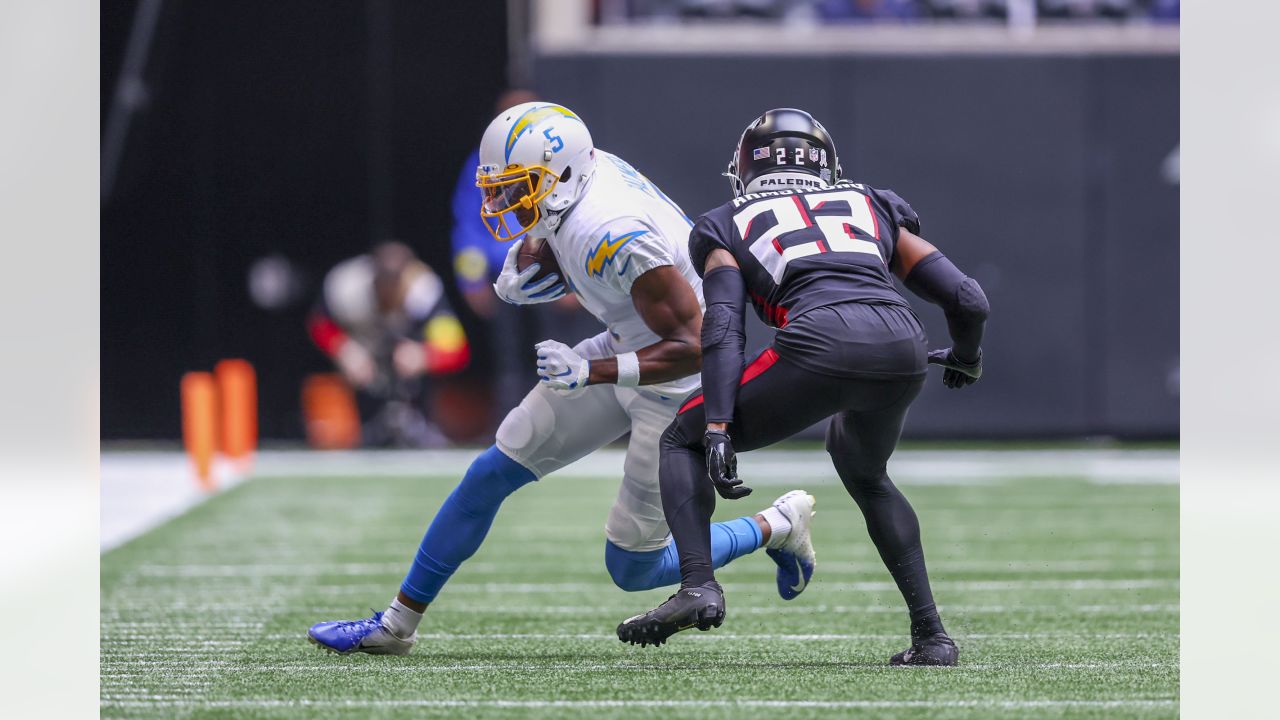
(938, 280)
(723, 340)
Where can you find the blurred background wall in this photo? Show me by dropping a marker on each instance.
(301, 133)
(1043, 177)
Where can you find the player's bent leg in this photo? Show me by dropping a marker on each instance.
(545, 432)
(645, 570)
(454, 535)
(639, 553)
(860, 443)
(688, 500)
(463, 521)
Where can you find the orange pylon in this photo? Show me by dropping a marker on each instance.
(238, 409)
(200, 423)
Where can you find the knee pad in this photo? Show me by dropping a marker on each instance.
(630, 570)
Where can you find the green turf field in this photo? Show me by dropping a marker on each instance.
(1063, 596)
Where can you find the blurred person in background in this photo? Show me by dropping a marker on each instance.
(477, 261)
(384, 320)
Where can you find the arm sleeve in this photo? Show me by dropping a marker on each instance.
(723, 340)
(938, 280)
(624, 250)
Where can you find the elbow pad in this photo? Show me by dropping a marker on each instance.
(971, 302)
(939, 281)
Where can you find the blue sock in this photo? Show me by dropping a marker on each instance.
(634, 571)
(463, 521)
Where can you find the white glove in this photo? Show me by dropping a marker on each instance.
(513, 285)
(560, 368)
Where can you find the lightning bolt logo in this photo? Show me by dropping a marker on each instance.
(606, 253)
(532, 117)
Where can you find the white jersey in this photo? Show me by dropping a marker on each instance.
(623, 227)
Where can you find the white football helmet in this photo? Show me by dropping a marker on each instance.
(535, 161)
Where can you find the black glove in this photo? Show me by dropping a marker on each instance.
(722, 465)
(957, 373)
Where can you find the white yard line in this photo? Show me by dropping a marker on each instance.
(584, 588)
(112, 638)
(387, 668)
(167, 606)
(150, 701)
(306, 569)
(379, 569)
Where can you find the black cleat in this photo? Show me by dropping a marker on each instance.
(701, 607)
(937, 649)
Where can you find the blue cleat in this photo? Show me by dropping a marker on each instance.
(367, 636)
(794, 554)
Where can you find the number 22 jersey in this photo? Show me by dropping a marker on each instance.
(826, 250)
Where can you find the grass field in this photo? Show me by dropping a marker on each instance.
(1062, 593)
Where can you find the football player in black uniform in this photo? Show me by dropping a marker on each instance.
(816, 255)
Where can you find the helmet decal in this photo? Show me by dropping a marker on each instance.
(532, 117)
(786, 141)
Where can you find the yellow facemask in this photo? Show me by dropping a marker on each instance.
(510, 205)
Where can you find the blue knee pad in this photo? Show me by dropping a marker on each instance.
(633, 571)
(463, 521)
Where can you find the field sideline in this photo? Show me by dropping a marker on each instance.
(1056, 571)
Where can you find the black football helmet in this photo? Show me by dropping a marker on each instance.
(783, 140)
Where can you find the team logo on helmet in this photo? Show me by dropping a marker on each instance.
(532, 117)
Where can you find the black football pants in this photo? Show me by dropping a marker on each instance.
(776, 400)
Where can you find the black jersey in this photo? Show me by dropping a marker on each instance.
(803, 249)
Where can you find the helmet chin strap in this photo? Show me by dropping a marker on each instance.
(785, 181)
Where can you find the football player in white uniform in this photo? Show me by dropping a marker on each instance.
(622, 246)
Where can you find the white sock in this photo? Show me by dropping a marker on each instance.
(400, 620)
(779, 526)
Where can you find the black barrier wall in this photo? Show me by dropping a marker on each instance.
(1048, 178)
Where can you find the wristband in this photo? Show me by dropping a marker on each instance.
(628, 369)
